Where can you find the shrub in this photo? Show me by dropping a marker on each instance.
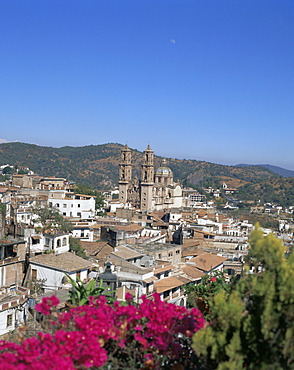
(151, 335)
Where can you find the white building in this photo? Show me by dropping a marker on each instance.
(14, 303)
(75, 205)
(50, 270)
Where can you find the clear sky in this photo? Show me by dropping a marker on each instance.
(210, 80)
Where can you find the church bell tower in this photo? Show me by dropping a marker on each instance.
(125, 173)
(147, 180)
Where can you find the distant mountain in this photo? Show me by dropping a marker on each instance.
(278, 170)
(97, 166)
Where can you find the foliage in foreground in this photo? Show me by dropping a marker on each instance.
(152, 335)
(253, 326)
(81, 293)
(200, 295)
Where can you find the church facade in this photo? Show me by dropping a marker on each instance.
(155, 190)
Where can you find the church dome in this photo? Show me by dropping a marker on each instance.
(163, 170)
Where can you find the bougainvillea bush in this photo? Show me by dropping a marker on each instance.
(151, 335)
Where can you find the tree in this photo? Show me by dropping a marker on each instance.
(50, 218)
(201, 294)
(254, 326)
(8, 170)
(75, 246)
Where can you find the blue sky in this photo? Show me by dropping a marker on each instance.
(208, 80)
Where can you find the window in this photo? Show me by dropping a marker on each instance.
(64, 241)
(79, 214)
(34, 274)
(58, 243)
(57, 205)
(166, 294)
(64, 205)
(79, 206)
(9, 320)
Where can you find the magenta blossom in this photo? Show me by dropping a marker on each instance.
(47, 302)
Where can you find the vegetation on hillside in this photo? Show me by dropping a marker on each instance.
(97, 165)
(277, 190)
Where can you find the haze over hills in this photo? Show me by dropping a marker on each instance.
(279, 170)
(97, 165)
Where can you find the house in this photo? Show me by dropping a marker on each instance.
(50, 269)
(12, 258)
(41, 243)
(208, 262)
(121, 234)
(127, 254)
(133, 279)
(14, 304)
(83, 230)
(170, 290)
(74, 205)
(97, 251)
(163, 252)
(191, 272)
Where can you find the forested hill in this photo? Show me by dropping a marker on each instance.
(97, 165)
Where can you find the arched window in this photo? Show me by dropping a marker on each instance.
(64, 241)
(58, 243)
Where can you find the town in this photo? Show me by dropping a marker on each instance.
(148, 234)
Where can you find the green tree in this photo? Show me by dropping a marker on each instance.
(254, 326)
(201, 294)
(75, 246)
(7, 170)
(50, 218)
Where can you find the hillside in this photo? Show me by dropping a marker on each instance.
(97, 165)
(278, 190)
(278, 170)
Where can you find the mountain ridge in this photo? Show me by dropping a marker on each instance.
(97, 165)
(276, 169)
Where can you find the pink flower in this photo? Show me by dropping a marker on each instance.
(154, 328)
(129, 297)
(213, 279)
(46, 304)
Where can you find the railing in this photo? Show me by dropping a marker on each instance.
(14, 301)
(9, 260)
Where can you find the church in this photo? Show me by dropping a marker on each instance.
(155, 191)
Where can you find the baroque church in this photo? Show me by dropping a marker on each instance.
(155, 190)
